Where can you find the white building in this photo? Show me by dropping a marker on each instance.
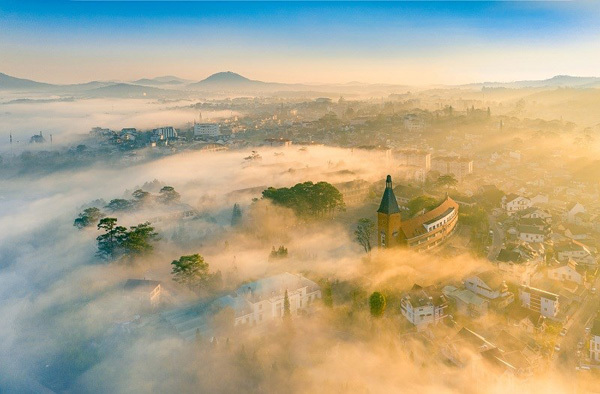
(531, 234)
(147, 292)
(206, 130)
(263, 300)
(252, 304)
(595, 341)
(512, 203)
(573, 210)
(540, 301)
(491, 286)
(519, 264)
(413, 123)
(574, 250)
(165, 132)
(535, 213)
(414, 158)
(566, 272)
(450, 165)
(423, 306)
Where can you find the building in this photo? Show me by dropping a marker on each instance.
(532, 234)
(517, 264)
(576, 251)
(354, 192)
(573, 210)
(540, 301)
(423, 306)
(165, 132)
(252, 304)
(419, 233)
(595, 341)
(491, 286)
(513, 203)
(467, 302)
(414, 158)
(147, 292)
(206, 130)
(451, 165)
(413, 123)
(566, 272)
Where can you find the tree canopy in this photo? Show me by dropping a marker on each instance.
(307, 199)
(377, 304)
(446, 181)
(118, 242)
(417, 204)
(168, 195)
(194, 273)
(89, 217)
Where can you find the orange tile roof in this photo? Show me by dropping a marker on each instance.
(414, 227)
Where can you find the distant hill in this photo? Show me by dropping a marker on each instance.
(162, 81)
(11, 83)
(230, 81)
(554, 82)
(125, 90)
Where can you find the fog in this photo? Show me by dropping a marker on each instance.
(64, 325)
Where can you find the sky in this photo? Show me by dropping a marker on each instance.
(300, 42)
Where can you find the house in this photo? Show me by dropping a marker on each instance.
(491, 286)
(517, 264)
(595, 341)
(575, 250)
(467, 302)
(539, 300)
(532, 234)
(535, 213)
(573, 210)
(566, 272)
(530, 321)
(414, 158)
(147, 292)
(423, 306)
(252, 304)
(278, 142)
(165, 132)
(513, 203)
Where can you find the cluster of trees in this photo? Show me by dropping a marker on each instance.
(279, 253)
(307, 199)
(89, 217)
(377, 304)
(166, 195)
(118, 241)
(418, 204)
(194, 273)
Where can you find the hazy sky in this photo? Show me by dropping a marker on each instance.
(387, 42)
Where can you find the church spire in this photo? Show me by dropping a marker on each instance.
(388, 204)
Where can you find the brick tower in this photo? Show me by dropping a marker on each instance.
(388, 218)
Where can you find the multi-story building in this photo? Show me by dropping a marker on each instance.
(422, 232)
(206, 130)
(566, 272)
(450, 165)
(519, 263)
(414, 158)
(354, 192)
(540, 301)
(165, 132)
(423, 306)
(595, 341)
(413, 123)
(512, 203)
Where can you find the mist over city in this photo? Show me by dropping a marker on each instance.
(266, 197)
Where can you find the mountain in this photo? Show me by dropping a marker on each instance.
(231, 81)
(125, 90)
(566, 81)
(162, 81)
(11, 83)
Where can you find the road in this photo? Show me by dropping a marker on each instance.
(497, 240)
(567, 357)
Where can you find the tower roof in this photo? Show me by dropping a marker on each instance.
(388, 204)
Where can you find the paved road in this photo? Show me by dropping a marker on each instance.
(497, 240)
(567, 357)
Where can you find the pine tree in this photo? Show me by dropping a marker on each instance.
(286, 306)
